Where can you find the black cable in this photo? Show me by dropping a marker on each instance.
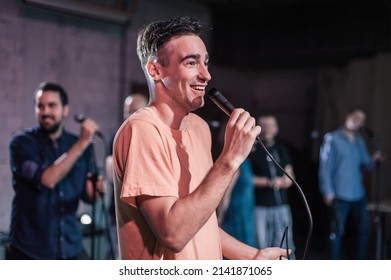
(310, 228)
(219, 99)
(285, 236)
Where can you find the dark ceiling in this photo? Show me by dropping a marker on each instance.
(265, 34)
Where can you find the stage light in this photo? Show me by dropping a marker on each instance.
(85, 219)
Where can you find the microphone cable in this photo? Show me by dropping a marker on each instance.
(310, 228)
(227, 108)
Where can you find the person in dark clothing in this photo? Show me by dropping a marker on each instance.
(52, 169)
(272, 211)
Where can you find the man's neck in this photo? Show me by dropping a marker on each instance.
(56, 135)
(175, 119)
(350, 134)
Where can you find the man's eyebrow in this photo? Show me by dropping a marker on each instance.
(193, 56)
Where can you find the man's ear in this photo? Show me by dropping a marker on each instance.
(153, 70)
(66, 110)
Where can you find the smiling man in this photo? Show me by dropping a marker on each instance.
(50, 174)
(167, 187)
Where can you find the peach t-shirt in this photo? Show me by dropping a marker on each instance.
(152, 159)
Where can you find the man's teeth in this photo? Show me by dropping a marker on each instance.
(198, 87)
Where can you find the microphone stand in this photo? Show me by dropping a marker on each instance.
(93, 223)
(378, 217)
(104, 210)
(378, 183)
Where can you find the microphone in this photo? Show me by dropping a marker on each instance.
(79, 118)
(221, 101)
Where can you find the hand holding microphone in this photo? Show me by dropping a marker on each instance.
(241, 130)
(88, 128)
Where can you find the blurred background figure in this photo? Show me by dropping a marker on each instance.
(343, 155)
(272, 210)
(131, 104)
(52, 170)
(134, 102)
(236, 210)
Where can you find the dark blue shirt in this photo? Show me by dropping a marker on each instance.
(43, 221)
(340, 166)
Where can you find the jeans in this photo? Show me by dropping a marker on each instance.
(271, 223)
(359, 227)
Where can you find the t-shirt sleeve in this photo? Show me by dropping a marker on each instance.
(144, 160)
(286, 155)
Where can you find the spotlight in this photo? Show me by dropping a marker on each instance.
(85, 219)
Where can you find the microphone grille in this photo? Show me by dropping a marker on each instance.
(212, 91)
(79, 118)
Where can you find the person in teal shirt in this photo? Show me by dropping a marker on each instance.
(238, 218)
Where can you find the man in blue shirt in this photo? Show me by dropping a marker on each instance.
(343, 155)
(51, 171)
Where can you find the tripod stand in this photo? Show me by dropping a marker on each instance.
(106, 217)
